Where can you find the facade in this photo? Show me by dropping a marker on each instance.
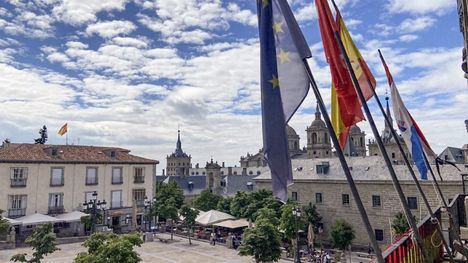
(318, 138)
(253, 160)
(178, 163)
(356, 145)
(322, 183)
(55, 179)
(294, 147)
(455, 155)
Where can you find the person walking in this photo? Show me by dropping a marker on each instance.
(213, 238)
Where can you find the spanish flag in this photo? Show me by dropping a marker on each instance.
(63, 130)
(345, 106)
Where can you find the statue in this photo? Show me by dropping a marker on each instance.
(43, 133)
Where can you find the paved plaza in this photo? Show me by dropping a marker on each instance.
(177, 251)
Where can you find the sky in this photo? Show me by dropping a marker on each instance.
(129, 73)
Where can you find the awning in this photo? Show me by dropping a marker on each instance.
(37, 219)
(74, 216)
(212, 217)
(232, 224)
(12, 222)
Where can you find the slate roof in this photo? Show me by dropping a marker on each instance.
(238, 183)
(453, 154)
(46, 153)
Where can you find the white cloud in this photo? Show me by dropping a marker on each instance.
(421, 6)
(78, 12)
(109, 29)
(411, 25)
(408, 37)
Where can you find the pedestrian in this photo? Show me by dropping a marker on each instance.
(213, 238)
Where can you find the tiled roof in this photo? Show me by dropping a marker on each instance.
(45, 153)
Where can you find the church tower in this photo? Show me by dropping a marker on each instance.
(318, 139)
(178, 163)
(293, 141)
(356, 144)
(213, 176)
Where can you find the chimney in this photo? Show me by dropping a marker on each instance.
(197, 165)
(223, 164)
(6, 144)
(229, 170)
(163, 172)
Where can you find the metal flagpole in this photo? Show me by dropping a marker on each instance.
(344, 165)
(395, 181)
(410, 168)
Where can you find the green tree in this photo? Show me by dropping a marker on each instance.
(247, 204)
(290, 224)
(400, 224)
(87, 220)
(166, 209)
(262, 242)
(189, 215)
(42, 241)
(311, 216)
(110, 248)
(170, 190)
(207, 200)
(224, 205)
(342, 234)
(267, 214)
(4, 224)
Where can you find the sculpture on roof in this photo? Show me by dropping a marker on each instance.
(43, 138)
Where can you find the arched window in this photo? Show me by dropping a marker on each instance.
(296, 146)
(362, 141)
(325, 139)
(314, 138)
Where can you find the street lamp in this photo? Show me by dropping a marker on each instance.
(148, 205)
(297, 214)
(93, 205)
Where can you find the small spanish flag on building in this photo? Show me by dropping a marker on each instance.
(63, 130)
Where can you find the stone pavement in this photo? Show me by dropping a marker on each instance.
(177, 251)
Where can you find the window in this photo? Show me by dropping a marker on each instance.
(91, 175)
(379, 234)
(89, 196)
(16, 205)
(294, 196)
(323, 168)
(56, 176)
(139, 196)
(56, 203)
(116, 199)
(393, 155)
(18, 176)
(112, 154)
(345, 199)
(190, 186)
(376, 201)
(412, 203)
(250, 186)
(318, 198)
(139, 176)
(117, 177)
(222, 183)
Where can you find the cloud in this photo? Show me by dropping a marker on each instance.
(408, 37)
(110, 29)
(411, 25)
(78, 12)
(421, 6)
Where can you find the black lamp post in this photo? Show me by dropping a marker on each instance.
(297, 214)
(148, 204)
(93, 205)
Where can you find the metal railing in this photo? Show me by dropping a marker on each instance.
(117, 180)
(139, 179)
(91, 181)
(18, 182)
(16, 212)
(116, 204)
(53, 210)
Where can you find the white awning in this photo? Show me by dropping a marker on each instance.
(37, 219)
(211, 217)
(74, 216)
(232, 224)
(12, 222)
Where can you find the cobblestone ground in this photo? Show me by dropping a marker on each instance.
(177, 251)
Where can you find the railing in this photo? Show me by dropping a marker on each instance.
(16, 212)
(139, 179)
(117, 180)
(91, 181)
(116, 204)
(140, 203)
(53, 210)
(404, 250)
(57, 181)
(18, 182)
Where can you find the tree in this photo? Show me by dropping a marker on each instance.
(290, 224)
(189, 215)
(4, 224)
(42, 241)
(206, 200)
(166, 191)
(166, 209)
(224, 205)
(109, 248)
(400, 224)
(262, 242)
(87, 220)
(311, 216)
(247, 204)
(267, 214)
(342, 234)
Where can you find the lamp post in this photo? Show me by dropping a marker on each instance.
(93, 205)
(148, 204)
(297, 214)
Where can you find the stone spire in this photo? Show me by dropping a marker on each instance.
(318, 115)
(178, 151)
(387, 132)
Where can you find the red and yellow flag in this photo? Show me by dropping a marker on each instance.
(63, 129)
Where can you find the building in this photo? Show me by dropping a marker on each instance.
(318, 138)
(463, 20)
(356, 144)
(55, 179)
(178, 163)
(323, 183)
(455, 155)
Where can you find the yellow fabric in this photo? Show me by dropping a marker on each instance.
(63, 130)
(337, 122)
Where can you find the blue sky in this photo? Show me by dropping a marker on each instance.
(128, 73)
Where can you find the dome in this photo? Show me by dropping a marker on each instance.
(318, 123)
(355, 129)
(290, 131)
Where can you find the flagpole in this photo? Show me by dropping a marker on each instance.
(344, 165)
(408, 165)
(395, 181)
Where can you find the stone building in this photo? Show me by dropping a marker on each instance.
(56, 179)
(213, 176)
(318, 138)
(178, 163)
(322, 183)
(356, 145)
(294, 147)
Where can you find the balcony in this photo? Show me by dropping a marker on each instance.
(140, 203)
(18, 182)
(16, 212)
(116, 204)
(54, 210)
(117, 180)
(139, 180)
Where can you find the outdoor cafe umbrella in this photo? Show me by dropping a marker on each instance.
(37, 219)
(12, 222)
(233, 224)
(74, 216)
(211, 217)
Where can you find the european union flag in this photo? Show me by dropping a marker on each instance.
(284, 85)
